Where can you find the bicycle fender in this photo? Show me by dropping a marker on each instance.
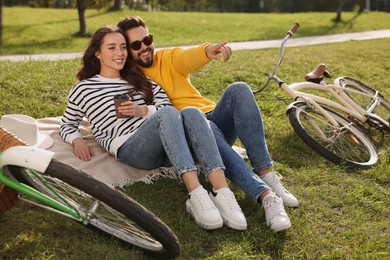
(27, 156)
(291, 105)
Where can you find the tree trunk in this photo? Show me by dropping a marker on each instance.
(362, 5)
(130, 3)
(117, 4)
(339, 10)
(220, 6)
(82, 22)
(368, 7)
(261, 5)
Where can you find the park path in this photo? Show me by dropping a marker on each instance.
(250, 45)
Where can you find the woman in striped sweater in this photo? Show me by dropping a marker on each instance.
(153, 134)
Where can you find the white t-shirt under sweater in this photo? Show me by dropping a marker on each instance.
(93, 99)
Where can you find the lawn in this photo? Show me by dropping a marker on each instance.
(343, 213)
(36, 30)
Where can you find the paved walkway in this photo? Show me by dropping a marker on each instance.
(298, 41)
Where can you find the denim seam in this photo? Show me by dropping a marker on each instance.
(206, 174)
(181, 172)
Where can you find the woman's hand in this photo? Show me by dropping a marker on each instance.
(82, 150)
(129, 108)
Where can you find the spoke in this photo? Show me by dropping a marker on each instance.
(340, 140)
(98, 214)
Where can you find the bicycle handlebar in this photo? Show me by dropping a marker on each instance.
(293, 29)
(290, 32)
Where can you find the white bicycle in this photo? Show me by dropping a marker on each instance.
(336, 124)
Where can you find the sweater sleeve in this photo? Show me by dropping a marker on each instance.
(189, 60)
(160, 99)
(69, 128)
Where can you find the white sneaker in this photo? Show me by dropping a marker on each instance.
(229, 209)
(275, 215)
(203, 210)
(273, 181)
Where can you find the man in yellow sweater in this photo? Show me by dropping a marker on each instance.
(235, 115)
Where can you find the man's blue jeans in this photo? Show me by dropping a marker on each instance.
(237, 115)
(168, 137)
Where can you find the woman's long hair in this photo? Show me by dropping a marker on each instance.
(90, 65)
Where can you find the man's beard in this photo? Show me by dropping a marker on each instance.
(149, 62)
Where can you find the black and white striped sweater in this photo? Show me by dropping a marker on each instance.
(93, 99)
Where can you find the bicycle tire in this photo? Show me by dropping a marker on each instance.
(344, 145)
(383, 110)
(118, 214)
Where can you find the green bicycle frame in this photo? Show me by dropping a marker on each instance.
(33, 193)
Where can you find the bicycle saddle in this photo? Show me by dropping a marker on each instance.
(317, 74)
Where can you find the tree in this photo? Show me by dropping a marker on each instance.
(339, 10)
(83, 24)
(362, 5)
(117, 4)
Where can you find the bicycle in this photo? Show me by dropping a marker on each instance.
(335, 124)
(42, 181)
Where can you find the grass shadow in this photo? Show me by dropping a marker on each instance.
(48, 230)
(325, 30)
(291, 150)
(48, 43)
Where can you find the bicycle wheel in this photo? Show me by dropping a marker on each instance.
(102, 207)
(383, 110)
(345, 144)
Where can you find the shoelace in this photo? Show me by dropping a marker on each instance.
(204, 200)
(276, 179)
(231, 200)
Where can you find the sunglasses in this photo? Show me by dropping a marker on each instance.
(136, 45)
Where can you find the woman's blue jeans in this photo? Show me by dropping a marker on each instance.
(169, 137)
(237, 115)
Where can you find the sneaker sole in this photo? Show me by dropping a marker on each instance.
(291, 205)
(280, 228)
(233, 224)
(229, 223)
(204, 225)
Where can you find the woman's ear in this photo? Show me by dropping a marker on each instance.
(97, 55)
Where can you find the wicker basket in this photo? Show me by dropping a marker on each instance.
(8, 196)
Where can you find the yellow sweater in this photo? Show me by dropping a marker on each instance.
(171, 70)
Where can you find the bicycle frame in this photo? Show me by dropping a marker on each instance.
(345, 105)
(34, 159)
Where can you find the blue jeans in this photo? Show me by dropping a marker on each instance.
(170, 137)
(237, 115)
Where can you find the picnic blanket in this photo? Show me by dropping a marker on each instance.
(103, 166)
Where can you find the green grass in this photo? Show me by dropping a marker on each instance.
(35, 30)
(343, 214)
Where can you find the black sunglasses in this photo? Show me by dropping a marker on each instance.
(136, 45)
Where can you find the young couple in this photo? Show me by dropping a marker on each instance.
(115, 63)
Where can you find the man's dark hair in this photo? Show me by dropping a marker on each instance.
(131, 22)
